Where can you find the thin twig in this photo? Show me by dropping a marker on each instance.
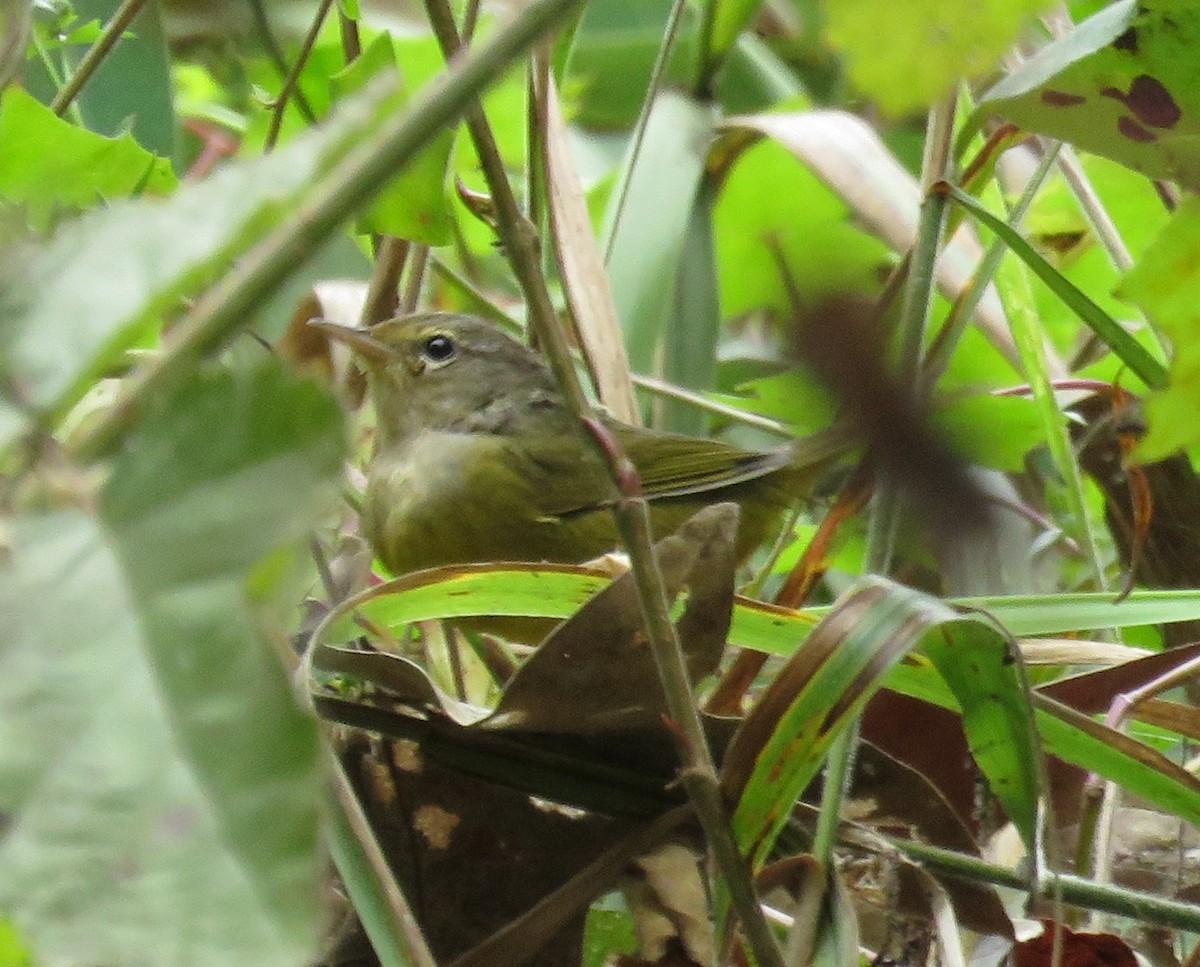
(267, 37)
(383, 300)
(291, 82)
(411, 296)
(698, 775)
(125, 15)
(520, 236)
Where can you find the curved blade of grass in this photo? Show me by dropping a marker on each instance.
(1149, 370)
(557, 591)
(507, 590)
(1085, 742)
(782, 744)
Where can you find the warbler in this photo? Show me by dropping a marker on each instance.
(478, 457)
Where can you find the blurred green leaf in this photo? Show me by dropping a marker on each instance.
(13, 952)
(151, 754)
(105, 281)
(771, 205)
(415, 205)
(730, 18)
(906, 56)
(49, 165)
(1164, 283)
(993, 431)
(648, 220)
(131, 90)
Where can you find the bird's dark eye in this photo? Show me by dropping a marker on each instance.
(439, 348)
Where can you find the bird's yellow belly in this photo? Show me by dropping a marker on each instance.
(458, 498)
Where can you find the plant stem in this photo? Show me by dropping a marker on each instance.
(1076, 890)
(517, 232)
(944, 343)
(383, 299)
(699, 775)
(292, 81)
(228, 307)
(125, 15)
(419, 259)
(914, 314)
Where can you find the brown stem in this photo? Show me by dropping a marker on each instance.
(383, 300)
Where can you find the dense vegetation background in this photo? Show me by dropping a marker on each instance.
(965, 222)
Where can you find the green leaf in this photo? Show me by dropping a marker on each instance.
(648, 218)
(772, 204)
(510, 590)
(13, 952)
(977, 660)
(558, 591)
(116, 841)
(906, 56)
(846, 659)
(694, 320)
(1082, 741)
(131, 89)
(1129, 350)
(48, 164)
(993, 431)
(104, 282)
(612, 58)
(415, 205)
(1121, 84)
(729, 19)
(151, 752)
(1048, 614)
(1137, 768)
(1164, 283)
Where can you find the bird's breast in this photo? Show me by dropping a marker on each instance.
(449, 498)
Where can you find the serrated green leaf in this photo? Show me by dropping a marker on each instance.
(415, 205)
(131, 89)
(49, 165)
(103, 282)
